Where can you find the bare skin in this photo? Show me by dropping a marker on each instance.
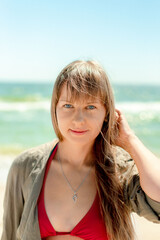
(65, 237)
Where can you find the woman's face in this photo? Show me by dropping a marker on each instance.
(79, 121)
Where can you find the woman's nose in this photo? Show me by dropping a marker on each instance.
(78, 116)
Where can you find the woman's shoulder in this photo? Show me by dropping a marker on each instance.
(125, 165)
(122, 158)
(33, 157)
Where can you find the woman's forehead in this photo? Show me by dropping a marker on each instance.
(67, 95)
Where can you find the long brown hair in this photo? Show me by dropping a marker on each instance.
(89, 79)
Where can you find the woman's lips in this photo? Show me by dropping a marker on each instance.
(78, 131)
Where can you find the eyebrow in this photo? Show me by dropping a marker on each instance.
(63, 100)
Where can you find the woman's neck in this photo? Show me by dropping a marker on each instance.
(77, 155)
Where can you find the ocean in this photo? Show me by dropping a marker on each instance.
(25, 119)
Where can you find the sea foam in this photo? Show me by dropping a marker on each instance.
(24, 106)
(130, 107)
(137, 107)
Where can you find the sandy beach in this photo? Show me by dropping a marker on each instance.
(145, 230)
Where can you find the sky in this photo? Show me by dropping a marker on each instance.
(38, 38)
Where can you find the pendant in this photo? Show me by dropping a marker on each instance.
(75, 197)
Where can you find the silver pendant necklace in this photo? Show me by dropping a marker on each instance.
(75, 195)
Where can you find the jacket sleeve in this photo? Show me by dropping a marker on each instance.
(134, 196)
(140, 202)
(13, 201)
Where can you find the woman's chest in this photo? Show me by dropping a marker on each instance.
(65, 212)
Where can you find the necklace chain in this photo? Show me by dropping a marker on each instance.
(75, 196)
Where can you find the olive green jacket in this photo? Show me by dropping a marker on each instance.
(25, 178)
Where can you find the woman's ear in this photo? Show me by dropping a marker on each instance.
(106, 118)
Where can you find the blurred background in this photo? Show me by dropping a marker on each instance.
(38, 38)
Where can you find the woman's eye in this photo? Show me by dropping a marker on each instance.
(68, 106)
(91, 107)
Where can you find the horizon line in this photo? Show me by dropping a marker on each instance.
(50, 81)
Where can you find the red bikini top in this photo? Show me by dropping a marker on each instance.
(90, 227)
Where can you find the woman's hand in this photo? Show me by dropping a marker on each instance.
(124, 132)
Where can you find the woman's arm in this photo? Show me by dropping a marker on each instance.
(13, 202)
(147, 163)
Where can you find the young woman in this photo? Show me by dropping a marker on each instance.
(85, 184)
